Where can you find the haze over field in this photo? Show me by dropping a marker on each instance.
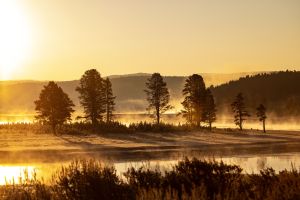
(131, 99)
(129, 90)
(149, 99)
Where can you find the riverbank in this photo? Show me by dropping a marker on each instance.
(20, 145)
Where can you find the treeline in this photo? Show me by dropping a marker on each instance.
(278, 91)
(54, 106)
(189, 179)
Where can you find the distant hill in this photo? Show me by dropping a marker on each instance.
(18, 96)
(279, 91)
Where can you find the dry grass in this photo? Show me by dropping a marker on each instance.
(189, 179)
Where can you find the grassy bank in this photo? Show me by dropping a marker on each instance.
(113, 127)
(189, 179)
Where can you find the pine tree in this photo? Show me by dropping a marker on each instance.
(261, 114)
(188, 112)
(239, 110)
(210, 108)
(158, 96)
(109, 100)
(53, 106)
(92, 97)
(194, 99)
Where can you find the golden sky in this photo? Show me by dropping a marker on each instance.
(60, 39)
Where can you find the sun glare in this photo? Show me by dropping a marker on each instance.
(14, 37)
(16, 174)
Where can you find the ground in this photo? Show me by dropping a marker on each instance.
(23, 145)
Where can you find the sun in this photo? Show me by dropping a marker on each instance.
(14, 37)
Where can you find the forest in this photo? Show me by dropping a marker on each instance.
(279, 91)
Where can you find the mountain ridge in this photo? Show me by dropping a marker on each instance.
(19, 97)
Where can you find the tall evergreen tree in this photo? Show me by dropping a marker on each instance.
(210, 108)
(188, 111)
(261, 114)
(109, 100)
(194, 99)
(158, 96)
(239, 110)
(92, 97)
(53, 106)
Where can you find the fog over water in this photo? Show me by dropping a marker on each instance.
(250, 162)
(224, 121)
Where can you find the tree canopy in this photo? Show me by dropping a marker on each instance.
(157, 96)
(53, 106)
(278, 91)
(92, 97)
(109, 100)
(261, 114)
(194, 93)
(239, 110)
(209, 109)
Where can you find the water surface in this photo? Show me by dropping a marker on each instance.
(251, 164)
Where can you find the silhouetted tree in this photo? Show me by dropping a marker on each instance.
(210, 108)
(53, 106)
(261, 114)
(194, 99)
(109, 100)
(157, 95)
(188, 112)
(239, 110)
(92, 97)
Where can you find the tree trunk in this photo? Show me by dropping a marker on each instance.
(198, 124)
(241, 123)
(94, 121)
(264, 126)
(198, 120)
(107, 117)
(157, 116)
(210, 126)
(54, 128)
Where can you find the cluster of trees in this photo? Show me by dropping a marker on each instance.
(198, 104)
(241, 113)
(95, 94)
(98, 102)
(279, 91)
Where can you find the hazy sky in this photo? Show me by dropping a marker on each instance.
(60, 39)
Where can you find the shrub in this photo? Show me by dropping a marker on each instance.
(88, 180)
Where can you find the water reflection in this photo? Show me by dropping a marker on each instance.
(15, 174)
(250, 164)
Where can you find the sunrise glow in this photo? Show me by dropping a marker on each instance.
(14, 38)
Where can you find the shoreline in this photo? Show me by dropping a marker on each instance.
(45, 148)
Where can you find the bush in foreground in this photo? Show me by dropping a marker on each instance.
(189, 179)
(88, 180)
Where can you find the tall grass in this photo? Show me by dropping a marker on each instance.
(80, 128)
(189, 179)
